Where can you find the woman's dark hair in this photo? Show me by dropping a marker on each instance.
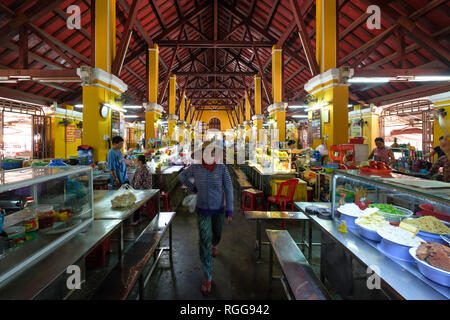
(379, 139)
(440, 138)
(142, 159)
(291, 142)
(117, 139)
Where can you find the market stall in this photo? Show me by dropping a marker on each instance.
(365, 223)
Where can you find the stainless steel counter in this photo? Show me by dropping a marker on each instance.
(39, 276)
(403, 278)
(102, 204)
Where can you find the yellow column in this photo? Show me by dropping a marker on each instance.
(370, 131)
(105, 87)
(172, 100)
(182, 107)
(279, 113)
(331, 94)
(258, 117)
(326, 34)
(153, 73)
(440, 101)
(247, 117)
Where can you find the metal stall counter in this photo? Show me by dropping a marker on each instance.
(53, 213)
(401, 278)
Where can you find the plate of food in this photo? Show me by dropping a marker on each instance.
(433, 261)
(350, 212)
(396, 242)
(430, 228)
(392, 213)
(367, 226)
(376, 167)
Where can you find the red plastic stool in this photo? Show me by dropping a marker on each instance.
(283, 201)
(252, 195)
(165, 197)
(97, 258)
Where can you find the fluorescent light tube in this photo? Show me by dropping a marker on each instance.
(300, 116)
(370, 80)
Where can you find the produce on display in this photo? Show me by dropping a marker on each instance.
(387, 208)
(123, 200)
(435, 254)
(374, 166)
(399, 236)
(373, 221)
(429, 224)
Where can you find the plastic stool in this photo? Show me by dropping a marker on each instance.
(252, 195)
(165, 197)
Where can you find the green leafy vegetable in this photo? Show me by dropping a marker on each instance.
(388, 208)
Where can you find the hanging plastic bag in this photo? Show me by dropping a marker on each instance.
(124, 197)
(190, 202)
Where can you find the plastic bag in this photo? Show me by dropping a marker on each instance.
(190, 202)
(124, 197)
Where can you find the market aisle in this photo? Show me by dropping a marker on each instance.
(235, 273)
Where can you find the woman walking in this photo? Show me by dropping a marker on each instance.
(214, 189)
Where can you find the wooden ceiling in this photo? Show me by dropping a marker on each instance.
(215, 47)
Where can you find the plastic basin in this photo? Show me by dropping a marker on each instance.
(368, 234)
(395, 250)
(349, 220)
(437, 275)
(431, 237)
(397, 218)
(428, 210)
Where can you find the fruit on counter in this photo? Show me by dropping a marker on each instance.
(435, 254)
(374, 165)
(387, 208)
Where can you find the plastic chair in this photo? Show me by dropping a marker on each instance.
(283, 201)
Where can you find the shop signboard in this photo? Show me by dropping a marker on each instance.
(115, 123)
(355, 129)
(71, 133)
(316, 125)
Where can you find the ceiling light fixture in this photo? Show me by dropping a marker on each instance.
(133, 107)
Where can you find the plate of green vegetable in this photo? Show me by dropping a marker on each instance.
(392, 213)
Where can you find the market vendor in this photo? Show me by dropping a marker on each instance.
(116, 163)
(436, 150)
(443, 161)
(382, 153)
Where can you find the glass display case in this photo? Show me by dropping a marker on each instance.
(43, 208)
(396, 189)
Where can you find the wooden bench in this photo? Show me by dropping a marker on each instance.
(299, 281)
(242, 181)
(124, 276)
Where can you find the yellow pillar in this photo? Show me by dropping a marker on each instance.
(104, 88)
(258, 117)
(182, 107)
(326, 34)
(327, 88)
(247, 117)
(279, 112)
(440, 101)
(371, 130)
(153, 73)
(172, 120)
